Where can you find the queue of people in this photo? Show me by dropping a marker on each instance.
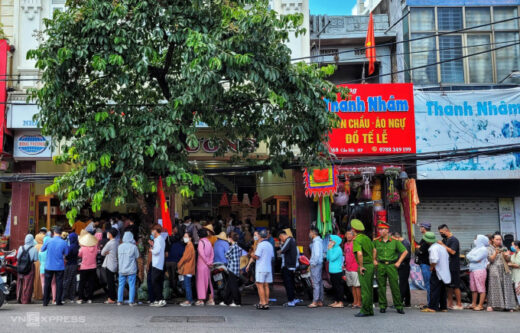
(49, 263)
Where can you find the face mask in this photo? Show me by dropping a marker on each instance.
(186, 240)
(256, 238)
(444, 236)
(151, 237)
(513, 248)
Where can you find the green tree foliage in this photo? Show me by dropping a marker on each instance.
(125, 83)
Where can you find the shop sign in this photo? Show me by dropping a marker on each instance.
(453, 120)
(375, 119)
(21, 116)
(32, 146)
(208, 146)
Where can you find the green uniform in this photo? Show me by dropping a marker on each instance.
(364, 244)
(387, 255)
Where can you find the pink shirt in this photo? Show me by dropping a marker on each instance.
(351, 264)
(88, 256)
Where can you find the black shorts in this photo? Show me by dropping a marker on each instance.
(455, 279)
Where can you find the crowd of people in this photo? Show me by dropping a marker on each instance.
(114, 250)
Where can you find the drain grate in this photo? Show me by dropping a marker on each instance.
(187, 319)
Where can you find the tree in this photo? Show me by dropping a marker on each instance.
(126, 82)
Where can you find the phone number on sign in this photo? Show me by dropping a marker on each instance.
(395, 149)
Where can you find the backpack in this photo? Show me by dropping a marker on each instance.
(24, 264)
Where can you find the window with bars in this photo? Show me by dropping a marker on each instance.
(478, 64)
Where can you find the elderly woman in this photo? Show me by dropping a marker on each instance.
(87, 270)
(500, 293)
(27, 255)
(204, 264)
(515, 268)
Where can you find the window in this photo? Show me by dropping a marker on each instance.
(477, 16)
(57, 5)
(504, 13)
(450, 47)
(508, 58)
(423, 53)
(480, 66)
(422, 19)
(449, 18)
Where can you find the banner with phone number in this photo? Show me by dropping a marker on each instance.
(376, 119)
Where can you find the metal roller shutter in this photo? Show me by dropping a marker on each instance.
(466, 218)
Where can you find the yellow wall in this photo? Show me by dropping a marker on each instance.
(268, 184)
(7, 18)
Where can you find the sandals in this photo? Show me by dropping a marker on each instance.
(312, 305)
(337, 306)
(428, 310)
(478, 308)
(262, 306)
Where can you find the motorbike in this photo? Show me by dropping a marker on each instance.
(219, 277)
(302, 277)
(8, 273)
(465, 291)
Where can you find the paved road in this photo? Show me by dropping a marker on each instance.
(110, 318)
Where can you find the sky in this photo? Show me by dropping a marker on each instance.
(331, 7)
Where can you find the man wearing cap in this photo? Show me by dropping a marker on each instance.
(440, 278)
(388, 260)
(422, 258)
(364, 249)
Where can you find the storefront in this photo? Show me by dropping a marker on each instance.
(375, 120)
(475, 195)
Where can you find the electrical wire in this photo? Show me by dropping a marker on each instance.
(430, 64)
(443, 33)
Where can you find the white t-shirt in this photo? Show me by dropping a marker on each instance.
(440, 256)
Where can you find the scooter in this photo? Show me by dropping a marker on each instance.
(4, 286)
(219, 277)
(8, 272)
(302, 277)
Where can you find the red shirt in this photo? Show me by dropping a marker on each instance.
(351, 264)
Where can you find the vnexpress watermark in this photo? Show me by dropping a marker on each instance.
(35, 319)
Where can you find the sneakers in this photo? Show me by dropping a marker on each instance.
(155, 304)
(131, 304)
(222, 304)
(199, 303)
(162, 303)
(233, 305)
(89, 301)
(79, 301)
(290, 304)
(185, 303)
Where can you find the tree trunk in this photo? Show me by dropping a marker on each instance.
(147, 204)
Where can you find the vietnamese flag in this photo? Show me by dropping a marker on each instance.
(370, 46)
(165, 214)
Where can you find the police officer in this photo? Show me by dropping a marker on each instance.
(389, 254)
(364, 250)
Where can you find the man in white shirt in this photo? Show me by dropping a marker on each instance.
(441, 277)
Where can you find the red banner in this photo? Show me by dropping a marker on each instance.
(165, 213)
(4, 48)
(376, 119)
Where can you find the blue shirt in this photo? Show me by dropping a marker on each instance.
(220, 249)
(265, 253)
(56, 249)
(175, 252)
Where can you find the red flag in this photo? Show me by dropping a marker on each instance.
(165, 214)
(370, 46)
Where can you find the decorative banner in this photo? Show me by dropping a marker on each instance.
(453, 120)
(320, 182)
(376, 119)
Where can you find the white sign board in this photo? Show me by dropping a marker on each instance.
(452, 120)
(506, 208)
(32, 146)
(21, 116)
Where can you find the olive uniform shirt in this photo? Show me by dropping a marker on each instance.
(389, 250)
(364, 244)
